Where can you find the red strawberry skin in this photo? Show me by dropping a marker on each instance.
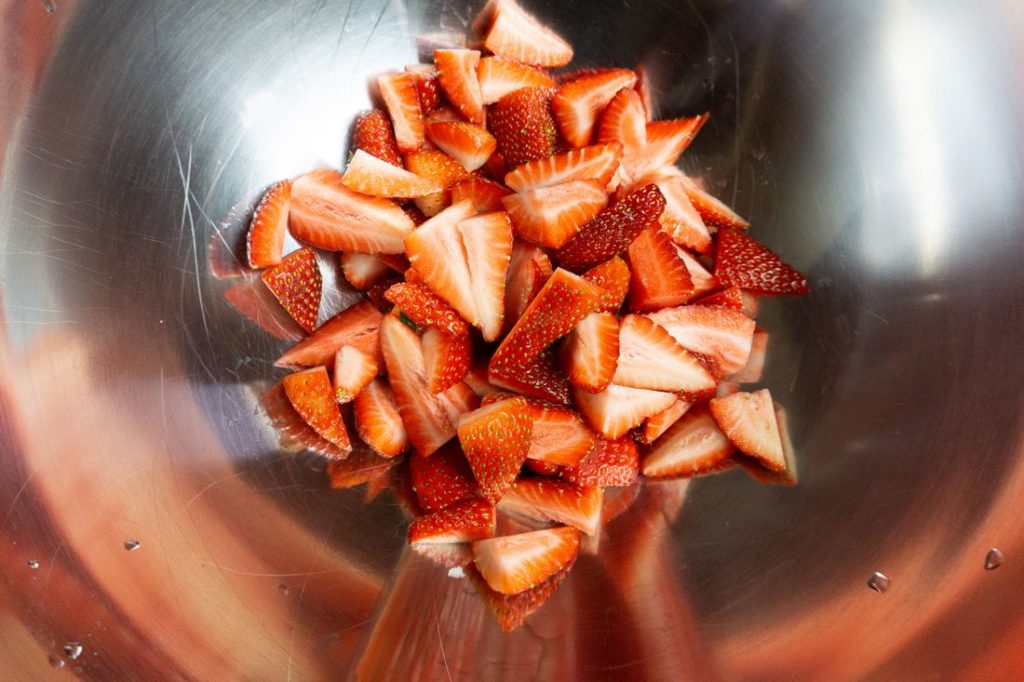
(612, 463)
(442, 479)
(540, 378)
(311, 394)
(613, 276)
(374, 135)
(425, 308)
(269, 226)
(496, 440)
(465, 521)
(740, 260)
(297, 284)
(521, 122)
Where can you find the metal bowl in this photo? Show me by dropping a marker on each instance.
(154, 528)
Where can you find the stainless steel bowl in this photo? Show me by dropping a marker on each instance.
(876, 144)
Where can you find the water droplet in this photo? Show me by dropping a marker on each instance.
(456, 572)
(132, 545)
(993, 560)
(50, 6)
(879, 582)
(73, 650)
(33, 564)
(55, 661)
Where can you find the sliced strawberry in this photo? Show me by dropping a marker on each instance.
(650, 358)
(680, 220)
(522, 124)
(666, 140)
(464, 521)
(598, 162)
(723, 334)
(645, 89)
(297, 284)
(617, 409)
(457, 73)
(703, 281)
(429, 419)
(730, 297)
(374, 135)
(353, 371)
(613, 230)
(757, 469)
(537, 499)
(550, 216)
(576, 104)
(310, 393)
(363, 270)
(378, 421)
(748, 420)
(442, 479)
(625, 121)
(694, 445)
(369, 175)
(559, 436)
(753, 371)
(613, 277)
(487, 245)
(654, 427)
(326, 214)
(499, 77)
(428, 88)
(362, 466)
(514, 34)
(484, 194)
(512, 610)
(446, 358)
(469, 144)
(496, 438)
(713, 212)
(540, 378)
(443, 170)
(515, 563)
(659, 277)
(528, 269)
(743, 261)
(403, 103)
(590, 352)
(251, 298)
(294, 433)
(357, 327)
(612, 463)
(265, 240)
(426, 309)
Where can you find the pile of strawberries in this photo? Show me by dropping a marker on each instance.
(553, 308)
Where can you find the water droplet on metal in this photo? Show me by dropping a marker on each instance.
(993, 560)
(879, 582)
(33, 564)
(73, 650)
(55, 661)
(456, 572)
(50, 6)
(132, 545)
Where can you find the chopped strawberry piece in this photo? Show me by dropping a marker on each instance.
(694, 445)
(522, 124)
(713, 212)
(374, 135)
(496, 438)
(297, 285)
(295, 434)
(446, 358)
(721, 333)
(442, 479)
(753, 371)
(353, 371)
(326, 214)
(613, 277)
(367, 174)
(515, 563)
(514, 34)
(650, 358)
(484, 194)
(666, 140)
(443, 170)
(757, 470)
(680, 220)
(363, 270)
(362, 466)
(469, 144)
(703, 281)
(457, 72)
(613, 230)
(428, 88)
(541, 378)
(559, 436)
(512, 610)
(550, 216)
(253, 300)
(654, 427)
(310, 393)
(499, 77)
(598, 162)
(528, 269)
(612, 463)
(537, 499)
(748, 421)
(487, 245)
(730, 297)
(265, 241)
(617, 409)
(624, 121)
(357, 327)
(378, 421)
(426, 309)
(576, 104)
(402, 99)
(659, 277)
(591, 351)
(743, 261)
(464, 521)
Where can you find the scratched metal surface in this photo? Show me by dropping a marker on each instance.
(876, 144)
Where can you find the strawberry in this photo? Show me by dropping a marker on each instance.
(362, 466)
(442, 479)
(446, 358)
(326, 214)
(378, 421)
(576, 104)
(464, 521)
(723, 334)
(617, 409)
(251, 298)
(265, 240)
(357, 327)
(645, 89)
(694, 445)
(540, 378)
(353, 371)
(487, 245)
(537, 499)
(613, 277)
(438, 258)
(598, 162)
(650, 358)
(512, 33)
(559, 436)
(428, 88)
(297, 285)
(666, 140)
(363, 270)
(757, 470)
(484, 194)
(680, 220)
(659, 277)
(550, 216)
(612, 463)
(440, 168)
(591, 351)
(528, 269)
(512, 610)
(499, 77)
(522, 124)
(658, 424)
(457, 73)
(515, 563)
(753, 371)
(468, 144)
(542, 468)
(429, 419)
(743, 261)
(374, 135)
(310, 393)
(294, 433)
(496, 438)
(748, 421)
(730, 297)
(613, 230)
(369, 175)
(703, 281)
(426, 309)
(624, 121)
(402, 100)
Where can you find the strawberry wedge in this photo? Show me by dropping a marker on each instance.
(650, 358)
(265, 241)
(367, 174)
(378, 420)
(457, 73)
(692, 446)
(540, 500)
(499, 77)
(512, 33)
(598, 162)
(401, 96)
(577, 104)
(357, 327)
(468, 144)
(724, 334)
(465, 521)
(590, 354)
(559, 436)
(748, 421)
(496, 440)
(515, 563)
(550, 216)
(617, 409)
